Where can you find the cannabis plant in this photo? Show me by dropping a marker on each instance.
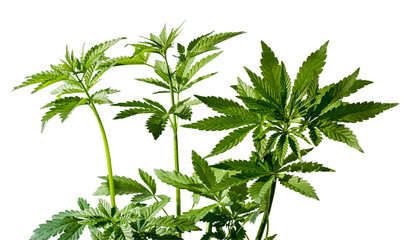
(78, 76)
(280, 115)
(173, 81)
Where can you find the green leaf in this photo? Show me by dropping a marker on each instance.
(170, 221)
(237, 179)
(123, 185)
(315, 135)
(264, 86)
(73, 233)
(313, 65)
(293, 156)
(356, 112)
(150, 182)
(203, 170)
(42, 77)
(225, 106)
(179, 180)
(240, 165)
(305, 167)
(271, 71)
(152, 210)
(63, 107)
(97, 51)
(282, 147)
(133, 111)
(340, 133)
(157, 123)
(231, 140)
(336, 92)
(83, 204)
(294, 145)
(245, 90)
(259, 189)
(198, 214)
(68, 88)
(198, 65)
(207, 42)
(271, 237)
(101, 96)
(297, 184)
(154, 82)
(218, 123)
(59, 224)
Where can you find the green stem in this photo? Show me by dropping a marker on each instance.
(174, 125)
(107, 152)
(105, 142)
(265, 218)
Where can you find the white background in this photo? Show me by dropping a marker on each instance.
(42, 174)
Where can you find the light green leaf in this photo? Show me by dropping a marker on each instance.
(315, 135)
(179, 180)
(198, 65)
(68, 88)
(183, 224)
(282, 147)
(154, 82)
(197, 214)
(101, 96)
(259, 189)
(59, 224)
(297, 184)
(97, 51)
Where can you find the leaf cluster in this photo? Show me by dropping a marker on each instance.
(172, 80)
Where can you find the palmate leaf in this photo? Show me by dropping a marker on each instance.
(203, 170)
(231, 140)
(297, 184)
(306, 76)
(219, 123)
(356, 112)
(293, 156)
(123, 185)
(340, 133)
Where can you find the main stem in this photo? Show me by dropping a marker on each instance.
(266, 214)
(175, 136)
